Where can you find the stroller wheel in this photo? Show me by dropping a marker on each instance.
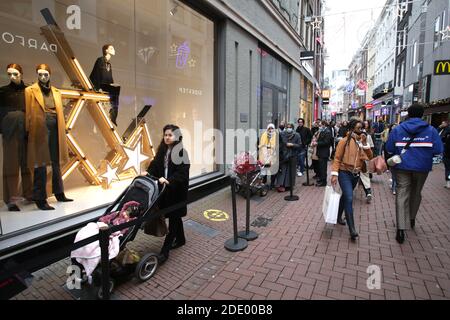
(146, 267)
(263, 192)
(100, 290)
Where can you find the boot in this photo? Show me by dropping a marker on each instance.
(340, 221)
(400, 236)
(61, 197)
(351, 226)
(43, 205)
(162, 257)
(413, 223)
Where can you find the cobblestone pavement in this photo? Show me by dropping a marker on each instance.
(296, 255)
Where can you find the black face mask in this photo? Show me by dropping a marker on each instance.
(357, 133)
(282, 128)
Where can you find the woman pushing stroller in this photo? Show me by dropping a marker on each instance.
(171, 166)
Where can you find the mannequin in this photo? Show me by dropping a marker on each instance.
(102, 79)
(12, 127)
(47, 144)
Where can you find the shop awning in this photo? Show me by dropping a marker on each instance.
(437, 109)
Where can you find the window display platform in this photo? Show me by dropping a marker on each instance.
(86, 199)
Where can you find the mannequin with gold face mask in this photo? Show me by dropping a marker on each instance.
(12, 128)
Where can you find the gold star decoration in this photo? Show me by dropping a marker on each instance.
(86, 95)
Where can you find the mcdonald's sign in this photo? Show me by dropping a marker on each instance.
(441, 67)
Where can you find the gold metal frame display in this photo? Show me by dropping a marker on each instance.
(117, 162)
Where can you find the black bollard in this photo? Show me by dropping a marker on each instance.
(104, 249)
(307, 184)
(247, 234)
(291, 197)
(235, 244)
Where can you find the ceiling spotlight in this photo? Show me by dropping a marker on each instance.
(174, 10)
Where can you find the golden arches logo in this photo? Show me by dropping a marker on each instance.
(216, 215)
(441, 67)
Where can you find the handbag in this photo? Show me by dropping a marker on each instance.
(396, 159)
(330, 206)
(377, 165)
(156, 227)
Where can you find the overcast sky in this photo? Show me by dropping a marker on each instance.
(345, 32)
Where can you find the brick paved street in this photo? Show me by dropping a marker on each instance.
(296, 255)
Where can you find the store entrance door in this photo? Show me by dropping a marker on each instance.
(274, 106)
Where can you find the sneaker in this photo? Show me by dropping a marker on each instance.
(394, 192)
(447, 185)
(299, 174)
(369, 198)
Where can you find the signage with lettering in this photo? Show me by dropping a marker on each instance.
(441, 67)
(306, 55)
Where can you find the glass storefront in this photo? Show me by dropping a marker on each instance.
(157, 58)
(306, 100)
(274, 84)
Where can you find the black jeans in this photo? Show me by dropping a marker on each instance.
(176, 232)
(322, 170)
(40, 174)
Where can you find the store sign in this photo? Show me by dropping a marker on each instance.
(29, 43)
(326, 94)
(441, 67)
(308, 67)
(306, 55)
(369, 106)
(190, 91)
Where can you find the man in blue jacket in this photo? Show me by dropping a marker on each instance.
(417, 162)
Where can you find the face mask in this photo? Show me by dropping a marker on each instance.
(281, 128)
(289, 130)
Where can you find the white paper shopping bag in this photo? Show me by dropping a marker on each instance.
(330, 205)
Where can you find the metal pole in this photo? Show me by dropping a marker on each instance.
(235, 244)
(291, 197)
(247, 234)
(104, 247)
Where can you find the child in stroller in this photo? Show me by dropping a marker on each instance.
(138, 200)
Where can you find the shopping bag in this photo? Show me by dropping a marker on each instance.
(156, 227)
(330, 205)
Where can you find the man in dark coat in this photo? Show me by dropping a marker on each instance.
(306, 136)
(323, 153)
(444, 133)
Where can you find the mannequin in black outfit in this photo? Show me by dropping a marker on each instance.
(102, 79)
(12, 127)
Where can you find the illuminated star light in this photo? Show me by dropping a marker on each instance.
(445, 33)
(110, 175)
(316, 23)
(135, 157)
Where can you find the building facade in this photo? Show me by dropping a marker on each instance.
(427, 77)
(211, 67)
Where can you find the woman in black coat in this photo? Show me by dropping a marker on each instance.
(171, 166)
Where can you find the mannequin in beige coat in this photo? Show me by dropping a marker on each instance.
(45, 126)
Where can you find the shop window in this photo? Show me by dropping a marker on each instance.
(164, 58)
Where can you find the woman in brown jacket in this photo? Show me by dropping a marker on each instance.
(349, 161)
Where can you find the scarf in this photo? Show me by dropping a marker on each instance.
(45, 87)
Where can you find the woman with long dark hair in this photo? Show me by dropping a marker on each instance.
(171, 166)
(349, 162)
